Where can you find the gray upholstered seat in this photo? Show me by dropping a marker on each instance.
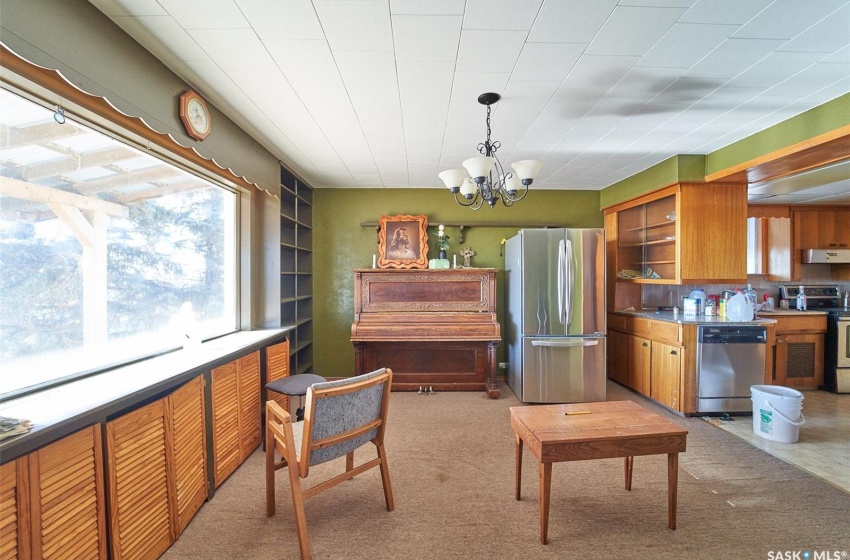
(340, 417)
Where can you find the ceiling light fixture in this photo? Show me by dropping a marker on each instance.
(483, 178)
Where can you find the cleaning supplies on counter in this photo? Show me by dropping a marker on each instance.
(750, 296)
(801, 300)
(700, 296)
(690, 307)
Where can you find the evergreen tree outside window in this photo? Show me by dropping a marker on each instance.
(107, 253)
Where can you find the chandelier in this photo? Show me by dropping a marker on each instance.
(483, 178)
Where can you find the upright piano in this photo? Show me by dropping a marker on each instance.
(436, 329)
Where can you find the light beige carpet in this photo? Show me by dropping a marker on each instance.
(451, 459)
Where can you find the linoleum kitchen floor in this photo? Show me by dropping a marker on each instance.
(824, 445)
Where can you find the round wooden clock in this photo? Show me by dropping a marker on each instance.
(195, 115)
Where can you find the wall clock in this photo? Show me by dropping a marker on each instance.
(195, 115)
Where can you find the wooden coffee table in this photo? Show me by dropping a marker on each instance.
(601, 430)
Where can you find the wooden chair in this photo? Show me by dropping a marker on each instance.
(340, 416)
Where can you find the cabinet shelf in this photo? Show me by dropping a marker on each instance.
(654, 242)
(654, 226)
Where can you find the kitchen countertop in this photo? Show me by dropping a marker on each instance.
(694, 319)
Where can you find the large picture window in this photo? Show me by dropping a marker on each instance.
(107, 253)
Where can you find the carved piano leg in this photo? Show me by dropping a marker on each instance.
(492, 389)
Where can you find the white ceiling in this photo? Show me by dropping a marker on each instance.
(383, 93)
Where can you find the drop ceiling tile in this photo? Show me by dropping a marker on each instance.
(546, 62)
(775, 68)
(293, 20)
(426, 78)
(633, 30)
(826, 36)
(216, 14)
(784, 19)
(360, 25)
(733, 57)
(469, 85)
(724, 11)
(727, 98)
(303, 59)
(598, 72)
(489, 51)
(165, 38)
(500, 14)
(234, 49)
(659, 3)
(570, 21)
(116, 8)
(642, 83)
(651, 116)
(812, 79)
(842, 55)
(367, 69)
(685, 44)
(428, 38)
(611, 111)
(432, 7)
(684, 92)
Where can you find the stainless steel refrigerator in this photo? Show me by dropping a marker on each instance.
(555, 317)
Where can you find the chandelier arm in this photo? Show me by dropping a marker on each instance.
(470, 203)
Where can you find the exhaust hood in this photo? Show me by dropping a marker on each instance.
(827, 256)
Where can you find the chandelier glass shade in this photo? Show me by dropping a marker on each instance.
(483, 179)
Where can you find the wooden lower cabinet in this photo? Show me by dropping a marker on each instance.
(236, 414)
(798, 351)
(617, 363)
(277, 367)
(666, 374)
(639, 357)
(140, 483)
(52, 500)
(188, 429)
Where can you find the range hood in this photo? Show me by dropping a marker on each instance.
(827, 256)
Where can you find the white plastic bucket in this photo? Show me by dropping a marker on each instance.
(777, 413)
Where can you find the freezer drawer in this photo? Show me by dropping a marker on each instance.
(562, 370)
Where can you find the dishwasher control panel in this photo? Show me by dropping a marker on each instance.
(732, 335)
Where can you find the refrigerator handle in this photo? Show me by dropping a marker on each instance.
(568, 288)
(561, 272)
(566, 342)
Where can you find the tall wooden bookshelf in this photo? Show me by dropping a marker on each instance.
(296, 268)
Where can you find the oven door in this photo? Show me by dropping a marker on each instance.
(843, 346)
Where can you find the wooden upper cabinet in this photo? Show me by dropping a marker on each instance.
(819, 228)
(67, 511)
(140, 482)
(684, 234)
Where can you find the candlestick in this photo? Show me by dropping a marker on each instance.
(454, 259)
(374, 261)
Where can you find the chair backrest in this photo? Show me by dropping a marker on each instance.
(341, 416)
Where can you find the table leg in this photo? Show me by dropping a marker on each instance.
(545, 488)
(672, 487)
(518, 482)
(629, 465)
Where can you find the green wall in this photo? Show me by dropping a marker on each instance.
(672, 170)
(341, 244)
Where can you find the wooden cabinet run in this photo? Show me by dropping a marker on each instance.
(277, 367)
(653, 357)
(434, 328)
(52, 501)
(156, 472)
(798, 351)
(822, 228)
(236, 414)
(684, 234)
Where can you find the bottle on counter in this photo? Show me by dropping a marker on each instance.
(750, 296)
(801, 300)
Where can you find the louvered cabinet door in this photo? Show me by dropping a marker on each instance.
(249, 403)
(227, 449)
(190, 466)
(277, 367)
(15, 529)
(67, 500)
(140, 483)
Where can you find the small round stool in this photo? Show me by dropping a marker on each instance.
(295, 386)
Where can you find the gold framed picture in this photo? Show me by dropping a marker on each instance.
(403, 242)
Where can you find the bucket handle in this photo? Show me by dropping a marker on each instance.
(798, 423)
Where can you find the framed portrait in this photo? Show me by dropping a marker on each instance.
(403, 242)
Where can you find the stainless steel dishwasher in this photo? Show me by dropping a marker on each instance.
(730, 359)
